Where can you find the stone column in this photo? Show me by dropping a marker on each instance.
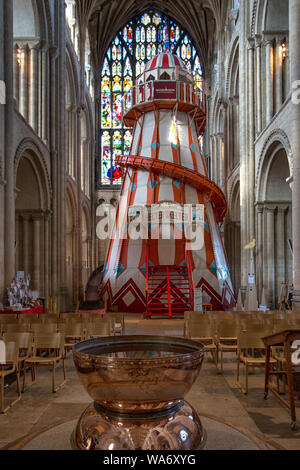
(73, 130)
(33, 87)
(270, 211)
(269, 80)
(280, 248)
(47, 246)
(279, 82)
(79, 198)
(36, 231)
(16, 75)
(44, 101)
(251, 161)
(9, 143)
(243, 107)
(294, 53)
(23, 81)
(25, 224)
(259, 248)
(258, 83)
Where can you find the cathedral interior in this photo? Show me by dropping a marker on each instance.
(80, 115)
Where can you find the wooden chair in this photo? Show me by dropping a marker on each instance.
(54, 345)
(50, 318)
(10, 366)
(73, 334)
(227, 334)
(98, 330)
(117, 323)
(202, 331)
(251, 350)
(24, 342)
(16, 328)
(8, 317)
(29, 318)
(70, 317)
(48, 328)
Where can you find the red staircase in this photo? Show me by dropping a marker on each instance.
(169, 291)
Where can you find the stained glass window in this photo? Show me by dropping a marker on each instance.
(135, 44)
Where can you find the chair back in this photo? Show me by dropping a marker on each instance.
(46, 328)
(200, 329)
(11, 352)
(70, 317)
(28, 318)
(23, 341)
(16, 328)
(99, 329)
(74, 330)
(9, 318)
(50, 318)
(280, 325)
(226, 329)
(251, 340)
(48, 341)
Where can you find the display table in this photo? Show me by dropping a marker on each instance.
(35, 310)
(284, 339)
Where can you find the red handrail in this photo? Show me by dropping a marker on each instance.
(147, 278)
(190, 275)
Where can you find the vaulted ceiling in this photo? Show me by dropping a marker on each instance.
(202, 19)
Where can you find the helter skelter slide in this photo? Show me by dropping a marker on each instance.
(154, 275)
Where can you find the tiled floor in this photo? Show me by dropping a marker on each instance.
(213, 394)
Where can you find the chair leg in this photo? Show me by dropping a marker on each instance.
(18, 383)
(24, 377)
(245, 391)
(222, 361)
(53, 378)
(1, 394)
(64, 368)
(238, 370)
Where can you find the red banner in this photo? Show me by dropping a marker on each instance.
(165, 90)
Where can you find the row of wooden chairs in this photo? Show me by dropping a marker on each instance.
(111, 323)
(21, 351)
(229, 336)
(53, 340)
(274, 322)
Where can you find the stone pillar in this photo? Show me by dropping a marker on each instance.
(280, 248)
(33, 87)
(269, 80)
(9, 143)
(259, 249)
(251, 161)
(279, 82)
(294, 53)
(23, 82)
(270, 211)
(36, 232)
(16, 75)
(47, 251)
(25, 224)
(258, 83)
(243, 111)
(44, 88)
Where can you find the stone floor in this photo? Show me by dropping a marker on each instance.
(213, 395)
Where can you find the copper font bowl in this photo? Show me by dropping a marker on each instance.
(138, 384)
(138, 372)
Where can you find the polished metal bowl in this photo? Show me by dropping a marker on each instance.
(138, 384)
(129, 371)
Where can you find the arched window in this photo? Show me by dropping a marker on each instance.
(135, 44)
